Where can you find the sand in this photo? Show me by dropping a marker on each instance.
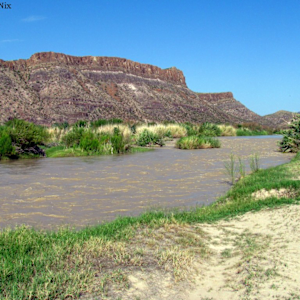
(254, 256)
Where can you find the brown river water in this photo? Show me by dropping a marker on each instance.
(81, 191)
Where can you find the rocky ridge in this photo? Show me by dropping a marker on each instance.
(280, 118)
(52, 87)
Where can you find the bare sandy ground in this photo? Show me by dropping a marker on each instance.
(254, 256)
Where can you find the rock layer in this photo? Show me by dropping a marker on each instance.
(52, 87)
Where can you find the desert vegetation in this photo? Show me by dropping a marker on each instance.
(197, 142)
(291, 137)
(22, 139)
(235, 167)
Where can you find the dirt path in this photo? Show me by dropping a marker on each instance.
(255, 256)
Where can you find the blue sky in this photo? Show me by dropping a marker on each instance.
(251, 48)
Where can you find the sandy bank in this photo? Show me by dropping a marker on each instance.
(254, 256)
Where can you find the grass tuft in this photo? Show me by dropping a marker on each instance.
(197, 142)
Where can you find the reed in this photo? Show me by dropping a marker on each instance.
(197, 142)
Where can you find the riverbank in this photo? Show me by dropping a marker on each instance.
(81, 191)
(157, 254)
(20, 139)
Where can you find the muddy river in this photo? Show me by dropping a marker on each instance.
(45, 193)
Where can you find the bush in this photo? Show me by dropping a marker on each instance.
(197, 142)
(63, 125)
(102, 143)
(243, 132)
(73, 137)
(103, 122)
(291, 137)
(25, 135)
(81, 123)
(147, 138)
(209, 129)
(117, 141)
(248, 132)
(227, 130)
(6, 147)
(258, 128)
(89, 142)
(190, 129)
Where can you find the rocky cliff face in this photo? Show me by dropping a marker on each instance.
(52, 87)
(280, 119)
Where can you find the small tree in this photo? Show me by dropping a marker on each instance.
(291, 137)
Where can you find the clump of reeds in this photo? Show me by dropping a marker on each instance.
(110, 129)
(254, 163)
(197, 142)
(162, 131)
(235, 168)
(227, 130)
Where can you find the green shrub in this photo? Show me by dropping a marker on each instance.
(104, 138)
(197, 142)
(81, 123)
(25, 134)
(243, 132)
(148, 138)
(117, 141)
(98, 123)
(248, 132)
(190, 128)
(89, 142)
(6, 147)
(209, 129)
(291, 137)
(73, 137)
(63, 125)
(103, 122)
(115, 121)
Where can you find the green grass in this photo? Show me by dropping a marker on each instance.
(140, 149)
(197, 142)
(38, 264)
(61, 151)
(249, 132)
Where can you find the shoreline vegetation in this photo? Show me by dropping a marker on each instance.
(22, 139)
(105, 260)
(100, 260)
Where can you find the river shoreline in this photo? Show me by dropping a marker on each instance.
(84, 191)
(244, 246)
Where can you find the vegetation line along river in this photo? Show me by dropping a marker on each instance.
(79, 191)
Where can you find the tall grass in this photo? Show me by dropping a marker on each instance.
(234, 168)
(254, 163)
(169, 130)
(227, 130)
(231, 168)
(209, 129)
(248, 132)
(109, 129)
(197, 142)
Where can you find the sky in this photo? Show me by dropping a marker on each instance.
(248, 47)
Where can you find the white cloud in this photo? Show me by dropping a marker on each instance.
(33, 19)
(11, 41)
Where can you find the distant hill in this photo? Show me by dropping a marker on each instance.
(53, 87)
(280, 118)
